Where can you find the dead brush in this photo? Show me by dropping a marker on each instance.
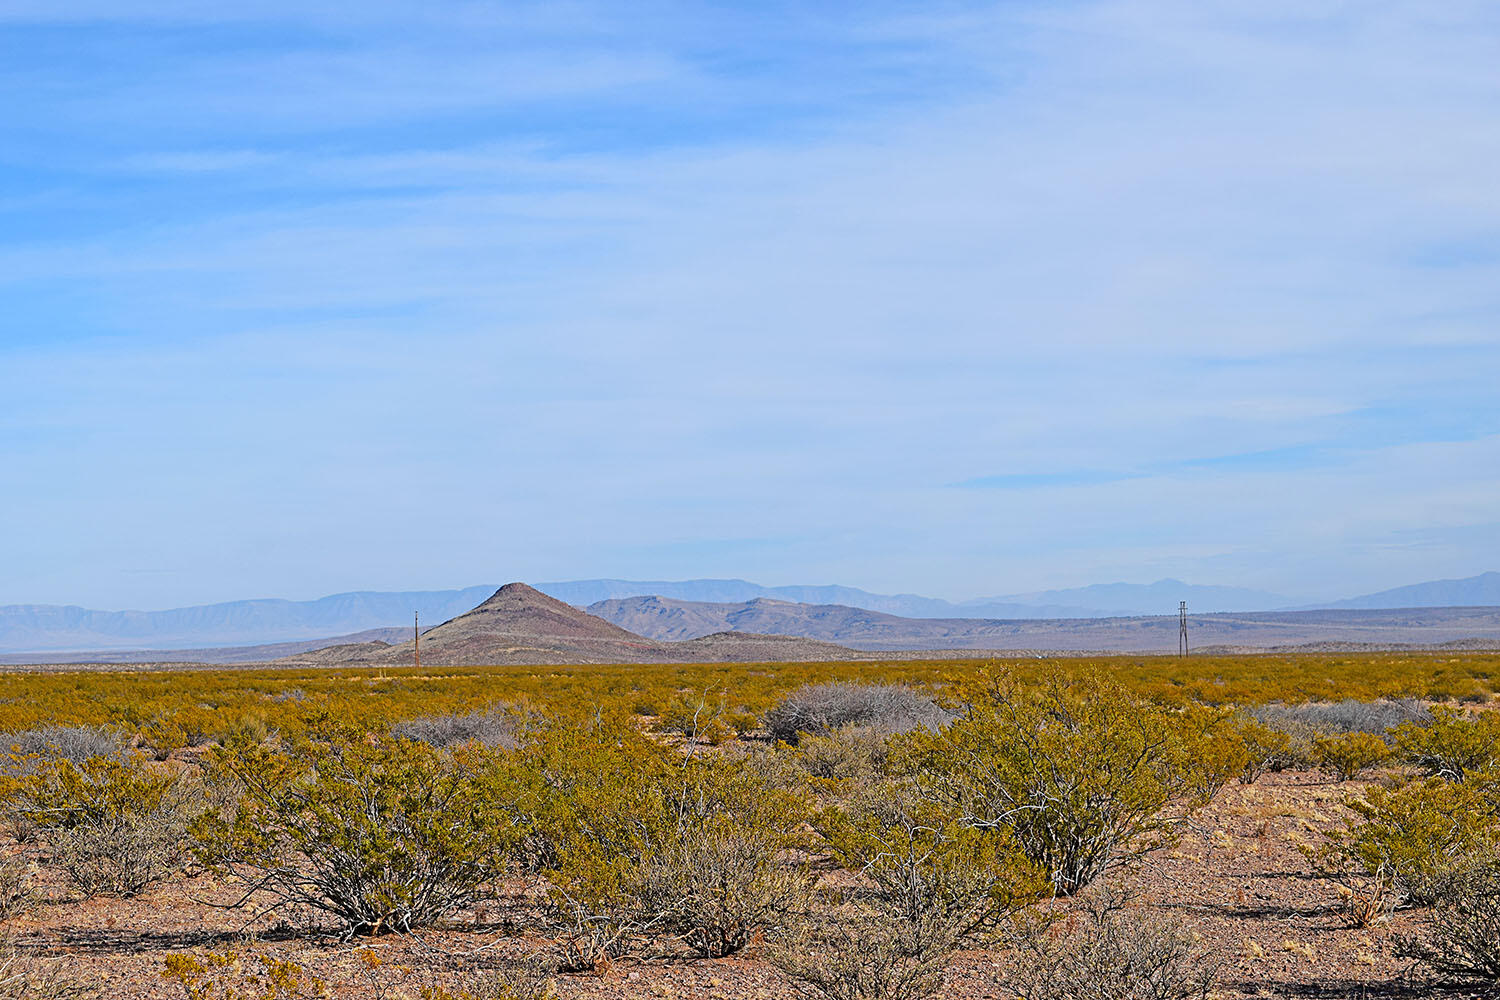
(18, 894)
(1111, 950)
(23, 977)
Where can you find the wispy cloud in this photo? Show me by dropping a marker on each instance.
(591, 290)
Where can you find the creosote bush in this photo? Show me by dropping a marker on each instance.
(381, 835)
(1453, 745)
(636, 839)
(1348, 755)
(1409, 837)
(1082, 774)
(113, 824)
(819, 709)
(228, 975)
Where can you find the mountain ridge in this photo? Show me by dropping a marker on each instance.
(38, 629)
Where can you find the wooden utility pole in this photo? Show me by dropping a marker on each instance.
(416, 640)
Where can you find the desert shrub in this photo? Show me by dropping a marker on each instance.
(697, 717)
(526, 981)
(1083, 774)
(635, 839)
(927, 882)
(818, 709)
(381, 835)
(228, 975)
(112, 824)
(23, 977)
(848, 757)
(18, 894)
(496, 727)
(1266, 749)
(1407, 838)
(71, 743)
(1348, 755)
(1453, 745)
(921, 864)
(1112, 951)
(1461, 937)
(861, 956)
(719, 876)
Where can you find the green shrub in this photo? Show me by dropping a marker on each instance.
(227, 975)
(921, 864)
(381, 835)
(112, 824)
(1453, 745)
(1084, 775)
(1348, 755)
(1408, 837)
(1266, 749)
(636, 839)
(847, 758)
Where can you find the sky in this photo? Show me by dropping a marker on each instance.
(959, 299)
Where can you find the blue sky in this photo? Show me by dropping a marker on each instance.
(957, 299)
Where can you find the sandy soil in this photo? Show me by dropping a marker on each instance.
(1239, 880)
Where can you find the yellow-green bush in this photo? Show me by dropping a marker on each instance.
(1454, 745)
(112, 824)
(381, 835)
(1083, 774)
(923, 864)
(227, 975)
(1348, 755)
(1409, 836)
(635, 838)
(192, 706)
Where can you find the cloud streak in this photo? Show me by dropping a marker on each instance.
(419, 296)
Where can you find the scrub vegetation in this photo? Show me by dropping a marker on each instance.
(851, 827)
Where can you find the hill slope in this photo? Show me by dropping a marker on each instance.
(1474, 591)
(520, 624)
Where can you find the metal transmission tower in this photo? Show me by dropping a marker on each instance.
(1182, 628)
(416, 640)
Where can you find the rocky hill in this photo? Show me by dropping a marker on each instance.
(519, 624)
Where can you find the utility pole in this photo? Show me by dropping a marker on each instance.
(416, 640)
(1182, 628)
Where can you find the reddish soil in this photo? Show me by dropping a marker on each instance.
(1238, 879)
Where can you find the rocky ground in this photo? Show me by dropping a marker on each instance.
(1239, 880)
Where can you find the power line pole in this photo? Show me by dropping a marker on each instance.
(1182, 628)
(416, 640)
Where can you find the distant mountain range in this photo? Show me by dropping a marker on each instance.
(42, 628)
(1097, 601)
(1474, 592)
(857, 628)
